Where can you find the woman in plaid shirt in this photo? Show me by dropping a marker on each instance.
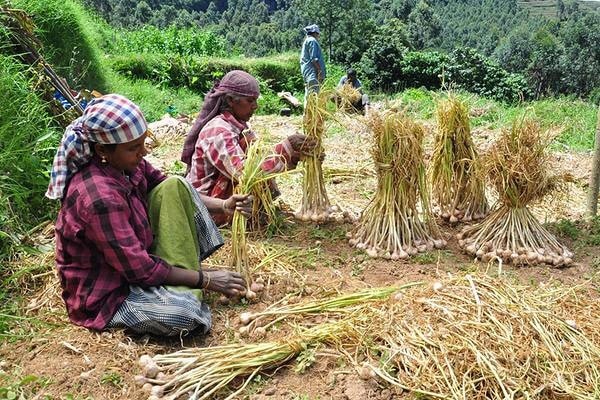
(215, 148)
(125, 230)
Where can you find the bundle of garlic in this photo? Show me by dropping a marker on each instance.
(398, 222)
(315, 204)
(456, 178)
(252, 180)
(518, 166)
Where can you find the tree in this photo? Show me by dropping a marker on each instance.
(387, 9)
(208, 17)
(423, 26)
(514, 52)
(581, 59)
(382, 62)
(122, 16)
(165, 16)
(544, 72)
(142, 13)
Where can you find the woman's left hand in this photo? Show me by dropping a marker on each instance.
(239, 202)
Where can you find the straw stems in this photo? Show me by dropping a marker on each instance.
(343, 303)
(204, 373)
(455, 170)
(346, 98)
(252, 180)
(469, 337)
(239, 251)
(393, 225)
(315, 204)
(476, 337)
(515, 236)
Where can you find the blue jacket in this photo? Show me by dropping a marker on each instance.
(311, 50)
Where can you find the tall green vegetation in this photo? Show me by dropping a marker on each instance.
(69, 41)
(27, 144)
(173, 40)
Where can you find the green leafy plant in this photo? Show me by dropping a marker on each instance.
(305, 359)
(112, 378)
(565, 227)
(172, 41)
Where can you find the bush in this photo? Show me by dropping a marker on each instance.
(423, 69)
(198, 74)
(155, 102)
(469, 70)
(381, 64)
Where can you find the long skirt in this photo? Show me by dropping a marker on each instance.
(184, 235)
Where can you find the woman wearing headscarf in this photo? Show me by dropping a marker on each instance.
(216, 146)
(125, 230)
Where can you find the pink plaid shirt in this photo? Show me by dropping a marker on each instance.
(102, 240)
(219, 155)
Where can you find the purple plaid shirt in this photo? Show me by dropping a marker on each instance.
(102, 240)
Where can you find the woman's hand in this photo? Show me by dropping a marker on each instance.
(239, 202)
(229, 283)
(302, 143)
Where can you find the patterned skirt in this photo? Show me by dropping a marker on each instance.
(160, 311)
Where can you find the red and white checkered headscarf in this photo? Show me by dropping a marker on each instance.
(236, 82)
(109, 119)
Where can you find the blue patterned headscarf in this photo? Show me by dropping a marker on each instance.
(109, 119)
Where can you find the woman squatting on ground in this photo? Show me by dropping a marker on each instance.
(216, 146)
(125, 230)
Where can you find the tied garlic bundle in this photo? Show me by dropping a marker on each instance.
(315, 204)
(252, 180)
(457, 181)
(392, 225)
(518, 165)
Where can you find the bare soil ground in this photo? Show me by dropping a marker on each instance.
(48, 358)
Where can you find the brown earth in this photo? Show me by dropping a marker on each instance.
(45, 357)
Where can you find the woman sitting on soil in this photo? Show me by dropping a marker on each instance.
(125, 230)
(216, 146)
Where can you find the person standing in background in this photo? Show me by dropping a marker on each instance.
(312, 64)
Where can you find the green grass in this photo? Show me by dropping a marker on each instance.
(566, 228)
(573, 120)
(582, 233)
(320, 232)
(156, 101)
(70, 41)
(417, 102)
(17, 388)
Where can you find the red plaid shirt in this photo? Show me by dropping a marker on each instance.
(102, 241)
(220, 152)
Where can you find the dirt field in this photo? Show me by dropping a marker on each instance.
(51, 359)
